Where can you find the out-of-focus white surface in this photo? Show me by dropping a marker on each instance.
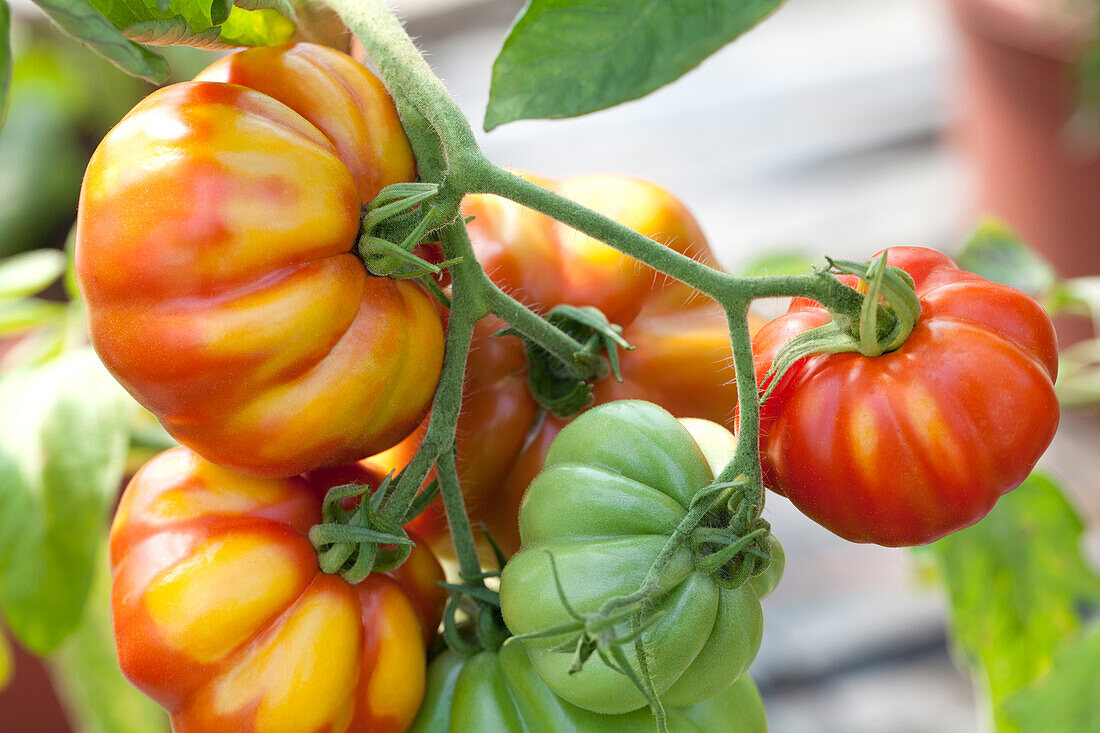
(812, 129)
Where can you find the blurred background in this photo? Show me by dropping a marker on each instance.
(836, 127)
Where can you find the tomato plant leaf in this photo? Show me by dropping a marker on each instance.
(5, 60)
(63, 439)
(27, 273)
(1016, 582)
(202, 23)
(564, 58)
(997, 253)
(1067, 697)
(83, 22)
(85, 671)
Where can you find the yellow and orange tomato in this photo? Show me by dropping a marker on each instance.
(223, 617)
(214, 255)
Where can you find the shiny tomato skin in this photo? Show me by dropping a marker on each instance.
(904, 448)
(213, 253)
(223, 617)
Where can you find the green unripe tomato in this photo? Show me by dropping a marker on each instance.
(500, 691)
(616, 483)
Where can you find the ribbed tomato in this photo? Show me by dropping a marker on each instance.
(904, 448)
(223, 617)
(214, 254)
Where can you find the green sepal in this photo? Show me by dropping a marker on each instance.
(556, 385)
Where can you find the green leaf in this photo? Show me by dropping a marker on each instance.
(5, 59)
(1067, 697)
(202, 23)
(1016, 582)
(779, 263)
(82, 21)
(997, 253)
(568, 57)
(86, 674)
(263, 27)
(63, 439)
(7, 662)
(30, 272)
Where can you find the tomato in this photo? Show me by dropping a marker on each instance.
(616, 483)
(213, 254)
(223, 617)
(499, 691)
(681, 360)
(904, 448)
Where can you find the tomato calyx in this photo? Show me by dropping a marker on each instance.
(731, 542)
(888, 312)
(566, 389)
(393, 224)
(354, 539)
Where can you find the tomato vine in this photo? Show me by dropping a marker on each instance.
(449, 156)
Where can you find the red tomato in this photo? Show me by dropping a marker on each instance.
(904, 448)
(223, 617)
(213, 252)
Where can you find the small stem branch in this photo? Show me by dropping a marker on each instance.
(462, 535)
(563, 346)
(746, 459)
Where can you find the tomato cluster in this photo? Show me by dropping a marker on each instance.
(215, 255)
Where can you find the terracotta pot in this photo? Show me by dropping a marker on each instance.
(1017, 97)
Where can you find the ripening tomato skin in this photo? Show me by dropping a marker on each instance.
(682, 360)
(223, 617)
(213, 253)
(907, 447)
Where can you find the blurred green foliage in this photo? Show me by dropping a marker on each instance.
(1018, 588)
(63, 99)
(86, 668)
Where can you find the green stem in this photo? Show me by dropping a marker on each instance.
(536, 328)
(469, 566)
(746, 459)
(494, 180)
(467, 307)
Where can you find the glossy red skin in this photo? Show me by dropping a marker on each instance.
(682, 360)
(907, 447)
(214, 256)
(194, 547)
